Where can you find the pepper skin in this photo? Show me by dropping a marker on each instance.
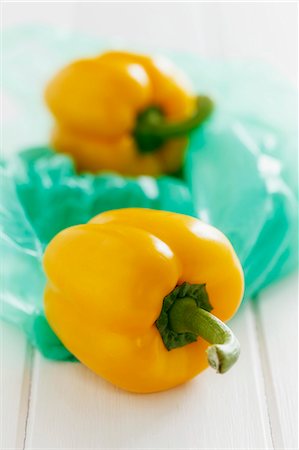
(119, 112)
(106, 283)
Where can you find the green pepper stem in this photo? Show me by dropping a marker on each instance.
(153, 129)
(186, 317)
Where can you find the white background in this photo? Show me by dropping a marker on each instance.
(48, 405)
(258, 30)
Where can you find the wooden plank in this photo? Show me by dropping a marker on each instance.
(277, 313)
(15, 382)
(72, 408)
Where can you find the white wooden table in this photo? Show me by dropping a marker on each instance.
(52, 405)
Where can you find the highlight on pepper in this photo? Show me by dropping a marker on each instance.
(124, 112)
(141, 296)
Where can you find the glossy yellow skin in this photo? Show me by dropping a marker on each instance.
(107, 281)
(95, 103)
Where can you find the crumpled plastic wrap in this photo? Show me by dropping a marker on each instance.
(41, 194)
(240, 172)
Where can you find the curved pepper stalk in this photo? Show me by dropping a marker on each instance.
(185, 316)
(153, 130)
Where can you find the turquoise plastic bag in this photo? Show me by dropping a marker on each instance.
(240, 173)
(41, 194)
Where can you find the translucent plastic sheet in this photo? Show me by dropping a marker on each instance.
(240, 172)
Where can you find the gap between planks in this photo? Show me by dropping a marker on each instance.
(267, 379)
(28, 380)
(15, 379)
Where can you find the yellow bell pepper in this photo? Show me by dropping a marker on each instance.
(123, 112)
(130, 295)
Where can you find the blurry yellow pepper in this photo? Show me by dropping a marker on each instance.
(123, 112)
(130, 295)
